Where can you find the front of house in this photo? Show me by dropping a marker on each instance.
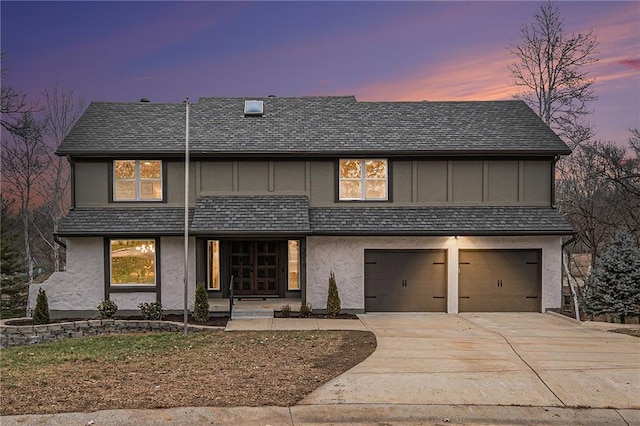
(415, 206)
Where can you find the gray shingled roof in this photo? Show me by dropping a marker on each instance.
(313, 126)
(438, 221)
(123, 220)
(237, 215)
(251, 215)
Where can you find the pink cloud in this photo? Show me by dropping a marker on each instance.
(632, 63)
(483, 76)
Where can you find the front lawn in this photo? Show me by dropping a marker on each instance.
(263, 368)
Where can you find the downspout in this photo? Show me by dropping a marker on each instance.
(57, 239)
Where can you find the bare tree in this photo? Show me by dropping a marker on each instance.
(550, 71)
(61, 111)
(13, 105)
(620, 169)
(601, 193)
(585, 200)
(634, 142)
(23, 163)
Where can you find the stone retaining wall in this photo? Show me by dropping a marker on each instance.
(22, 335)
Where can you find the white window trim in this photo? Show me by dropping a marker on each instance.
(138, 182)
(363, 180)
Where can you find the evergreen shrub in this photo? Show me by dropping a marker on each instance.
(41, 312)
(333, 298)
(201, 311)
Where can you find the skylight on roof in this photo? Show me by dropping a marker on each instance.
(253, 108)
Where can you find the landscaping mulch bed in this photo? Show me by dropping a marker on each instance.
(213, 321)
(162, 370)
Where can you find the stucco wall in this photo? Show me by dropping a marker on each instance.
(81, 287)
(173, 273)
(345, 257)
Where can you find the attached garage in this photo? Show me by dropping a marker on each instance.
(405, 281)
(499, 281)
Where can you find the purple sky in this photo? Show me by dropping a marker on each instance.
(166, 51)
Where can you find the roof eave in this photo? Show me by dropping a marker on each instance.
(447, 233)
(65, 234)
(319, 154)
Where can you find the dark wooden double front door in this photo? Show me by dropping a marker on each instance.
(255, 267)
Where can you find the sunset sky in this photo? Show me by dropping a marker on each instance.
(167, 51)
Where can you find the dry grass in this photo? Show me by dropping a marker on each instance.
(168, 370)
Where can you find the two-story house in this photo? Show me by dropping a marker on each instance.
(415, 206)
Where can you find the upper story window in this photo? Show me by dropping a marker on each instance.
(365, 179)
(137, 180)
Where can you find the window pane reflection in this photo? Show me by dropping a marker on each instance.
(133, 262)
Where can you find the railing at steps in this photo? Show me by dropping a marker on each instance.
(231, 299)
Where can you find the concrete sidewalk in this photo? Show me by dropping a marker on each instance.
(471, 369)
(295, 324)
(367, 414)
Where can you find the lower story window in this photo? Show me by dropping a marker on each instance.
(213, 265)
(133, 262)
(293, 256)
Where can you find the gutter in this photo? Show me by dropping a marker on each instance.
(57, 239)
(571, 240)
(195, 152)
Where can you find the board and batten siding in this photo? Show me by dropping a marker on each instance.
(412, 182)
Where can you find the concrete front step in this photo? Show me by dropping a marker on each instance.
(251, 313)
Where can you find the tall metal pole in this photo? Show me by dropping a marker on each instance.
(186, 219)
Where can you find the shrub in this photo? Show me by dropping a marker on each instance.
(107, 309)
(305, 310)
(333, 298)
(41, 313)
(151, 311)
(286, 311)
(201, 311)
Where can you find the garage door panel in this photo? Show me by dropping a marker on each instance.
(405, 281)
(483, 303)
(499, 281)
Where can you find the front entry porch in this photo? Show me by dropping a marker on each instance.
(259, 306)
(262, 268)
(256, 266)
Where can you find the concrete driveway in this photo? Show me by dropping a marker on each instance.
(490, 359)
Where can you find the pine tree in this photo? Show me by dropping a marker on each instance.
(333, 298)
(41, 312)
(11, 259)
(614, 286)
(201, 311)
